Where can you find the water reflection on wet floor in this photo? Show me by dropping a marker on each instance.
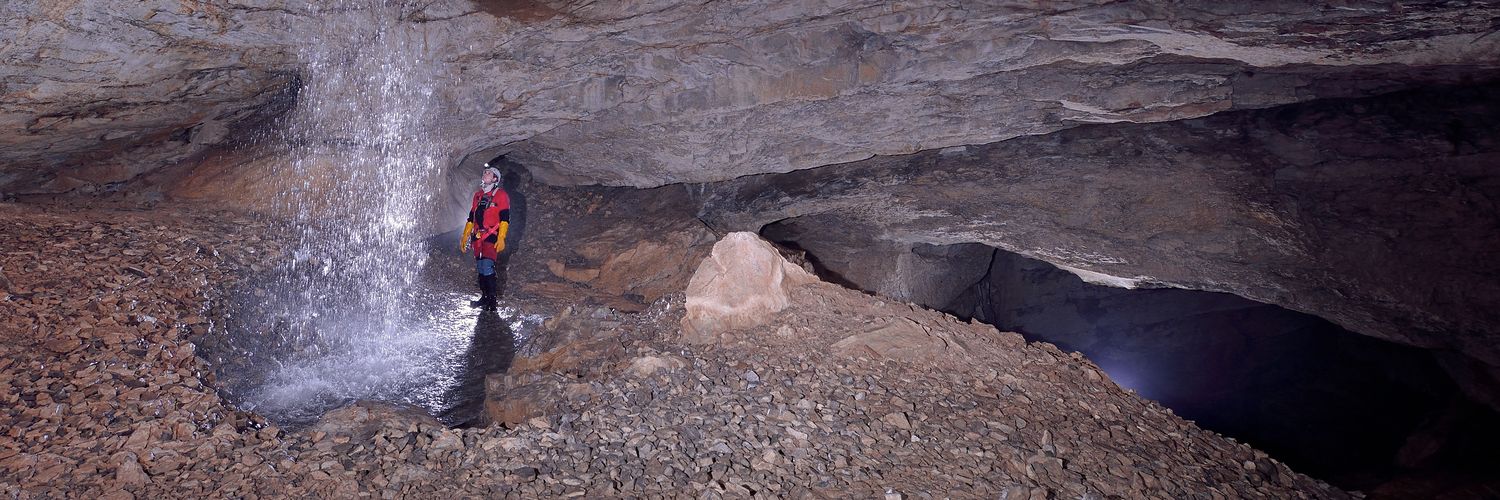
(294, 371)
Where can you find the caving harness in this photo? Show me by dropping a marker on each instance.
(489, 217)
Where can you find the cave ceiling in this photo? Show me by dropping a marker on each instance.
(651, 93)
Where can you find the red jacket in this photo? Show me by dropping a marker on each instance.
(486, 212)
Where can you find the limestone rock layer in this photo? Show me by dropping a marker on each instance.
(651, 93)
(1378, 214)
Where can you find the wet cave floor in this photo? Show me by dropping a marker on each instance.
(293, 357)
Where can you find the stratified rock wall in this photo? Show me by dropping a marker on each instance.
(1384, 229)
(98, 92)
(646, 94)
(1379, 214)
(713, 92)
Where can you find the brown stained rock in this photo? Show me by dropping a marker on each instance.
(741, 284)
(900, 339)
(656, 266)
(63, 345)
(128, 473)
(141, 438)
(579, 392)
(575, 275)
(897, 419)
(163, 462)
(577, 357)
(98, 367)
(512, 399)
(361, 420)
(638, 256)
(769, 415)
(509, 412)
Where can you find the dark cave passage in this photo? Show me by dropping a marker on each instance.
(1356, 411)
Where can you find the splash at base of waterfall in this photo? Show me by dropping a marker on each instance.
(294, 369)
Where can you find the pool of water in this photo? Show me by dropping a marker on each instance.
(292, 357)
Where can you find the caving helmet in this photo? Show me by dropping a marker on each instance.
(490, 186)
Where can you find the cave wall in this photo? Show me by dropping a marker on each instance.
(1352, 409)
(96, 93)
(930, 275)
(1378, 214)
(649, 95)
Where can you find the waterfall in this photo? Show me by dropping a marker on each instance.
(366, 160)
(351, 315)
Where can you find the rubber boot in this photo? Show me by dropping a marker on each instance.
(489, 299)
(484, 293)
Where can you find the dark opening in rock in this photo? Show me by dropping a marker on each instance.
(1357, 411)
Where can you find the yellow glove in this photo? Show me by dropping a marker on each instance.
(500, 236)
(463, 241)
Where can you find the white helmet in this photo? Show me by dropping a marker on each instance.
(492, 170)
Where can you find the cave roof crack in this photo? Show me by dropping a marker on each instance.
(574, 18)
(260, 9)
(416, 16)
(38, 59)
(149, 26)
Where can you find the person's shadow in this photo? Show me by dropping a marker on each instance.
(490, 351)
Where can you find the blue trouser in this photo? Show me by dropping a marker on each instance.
(486, 267)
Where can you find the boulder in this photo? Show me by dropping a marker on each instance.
(512, 399)
(902, 339)
(618, 261)
(743, 281)
(362, 419)
(129, 474)
(646, 366)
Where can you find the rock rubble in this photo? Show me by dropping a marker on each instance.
(105, 399)
(791, 408)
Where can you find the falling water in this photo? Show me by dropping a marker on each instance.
(358, 129)
(351, 316)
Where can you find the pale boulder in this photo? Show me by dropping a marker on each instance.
(646, 366)
(741, 284)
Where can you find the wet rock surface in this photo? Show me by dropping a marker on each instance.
(292, 355)
(122, 408)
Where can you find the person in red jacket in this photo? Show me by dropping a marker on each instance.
(489, 221)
